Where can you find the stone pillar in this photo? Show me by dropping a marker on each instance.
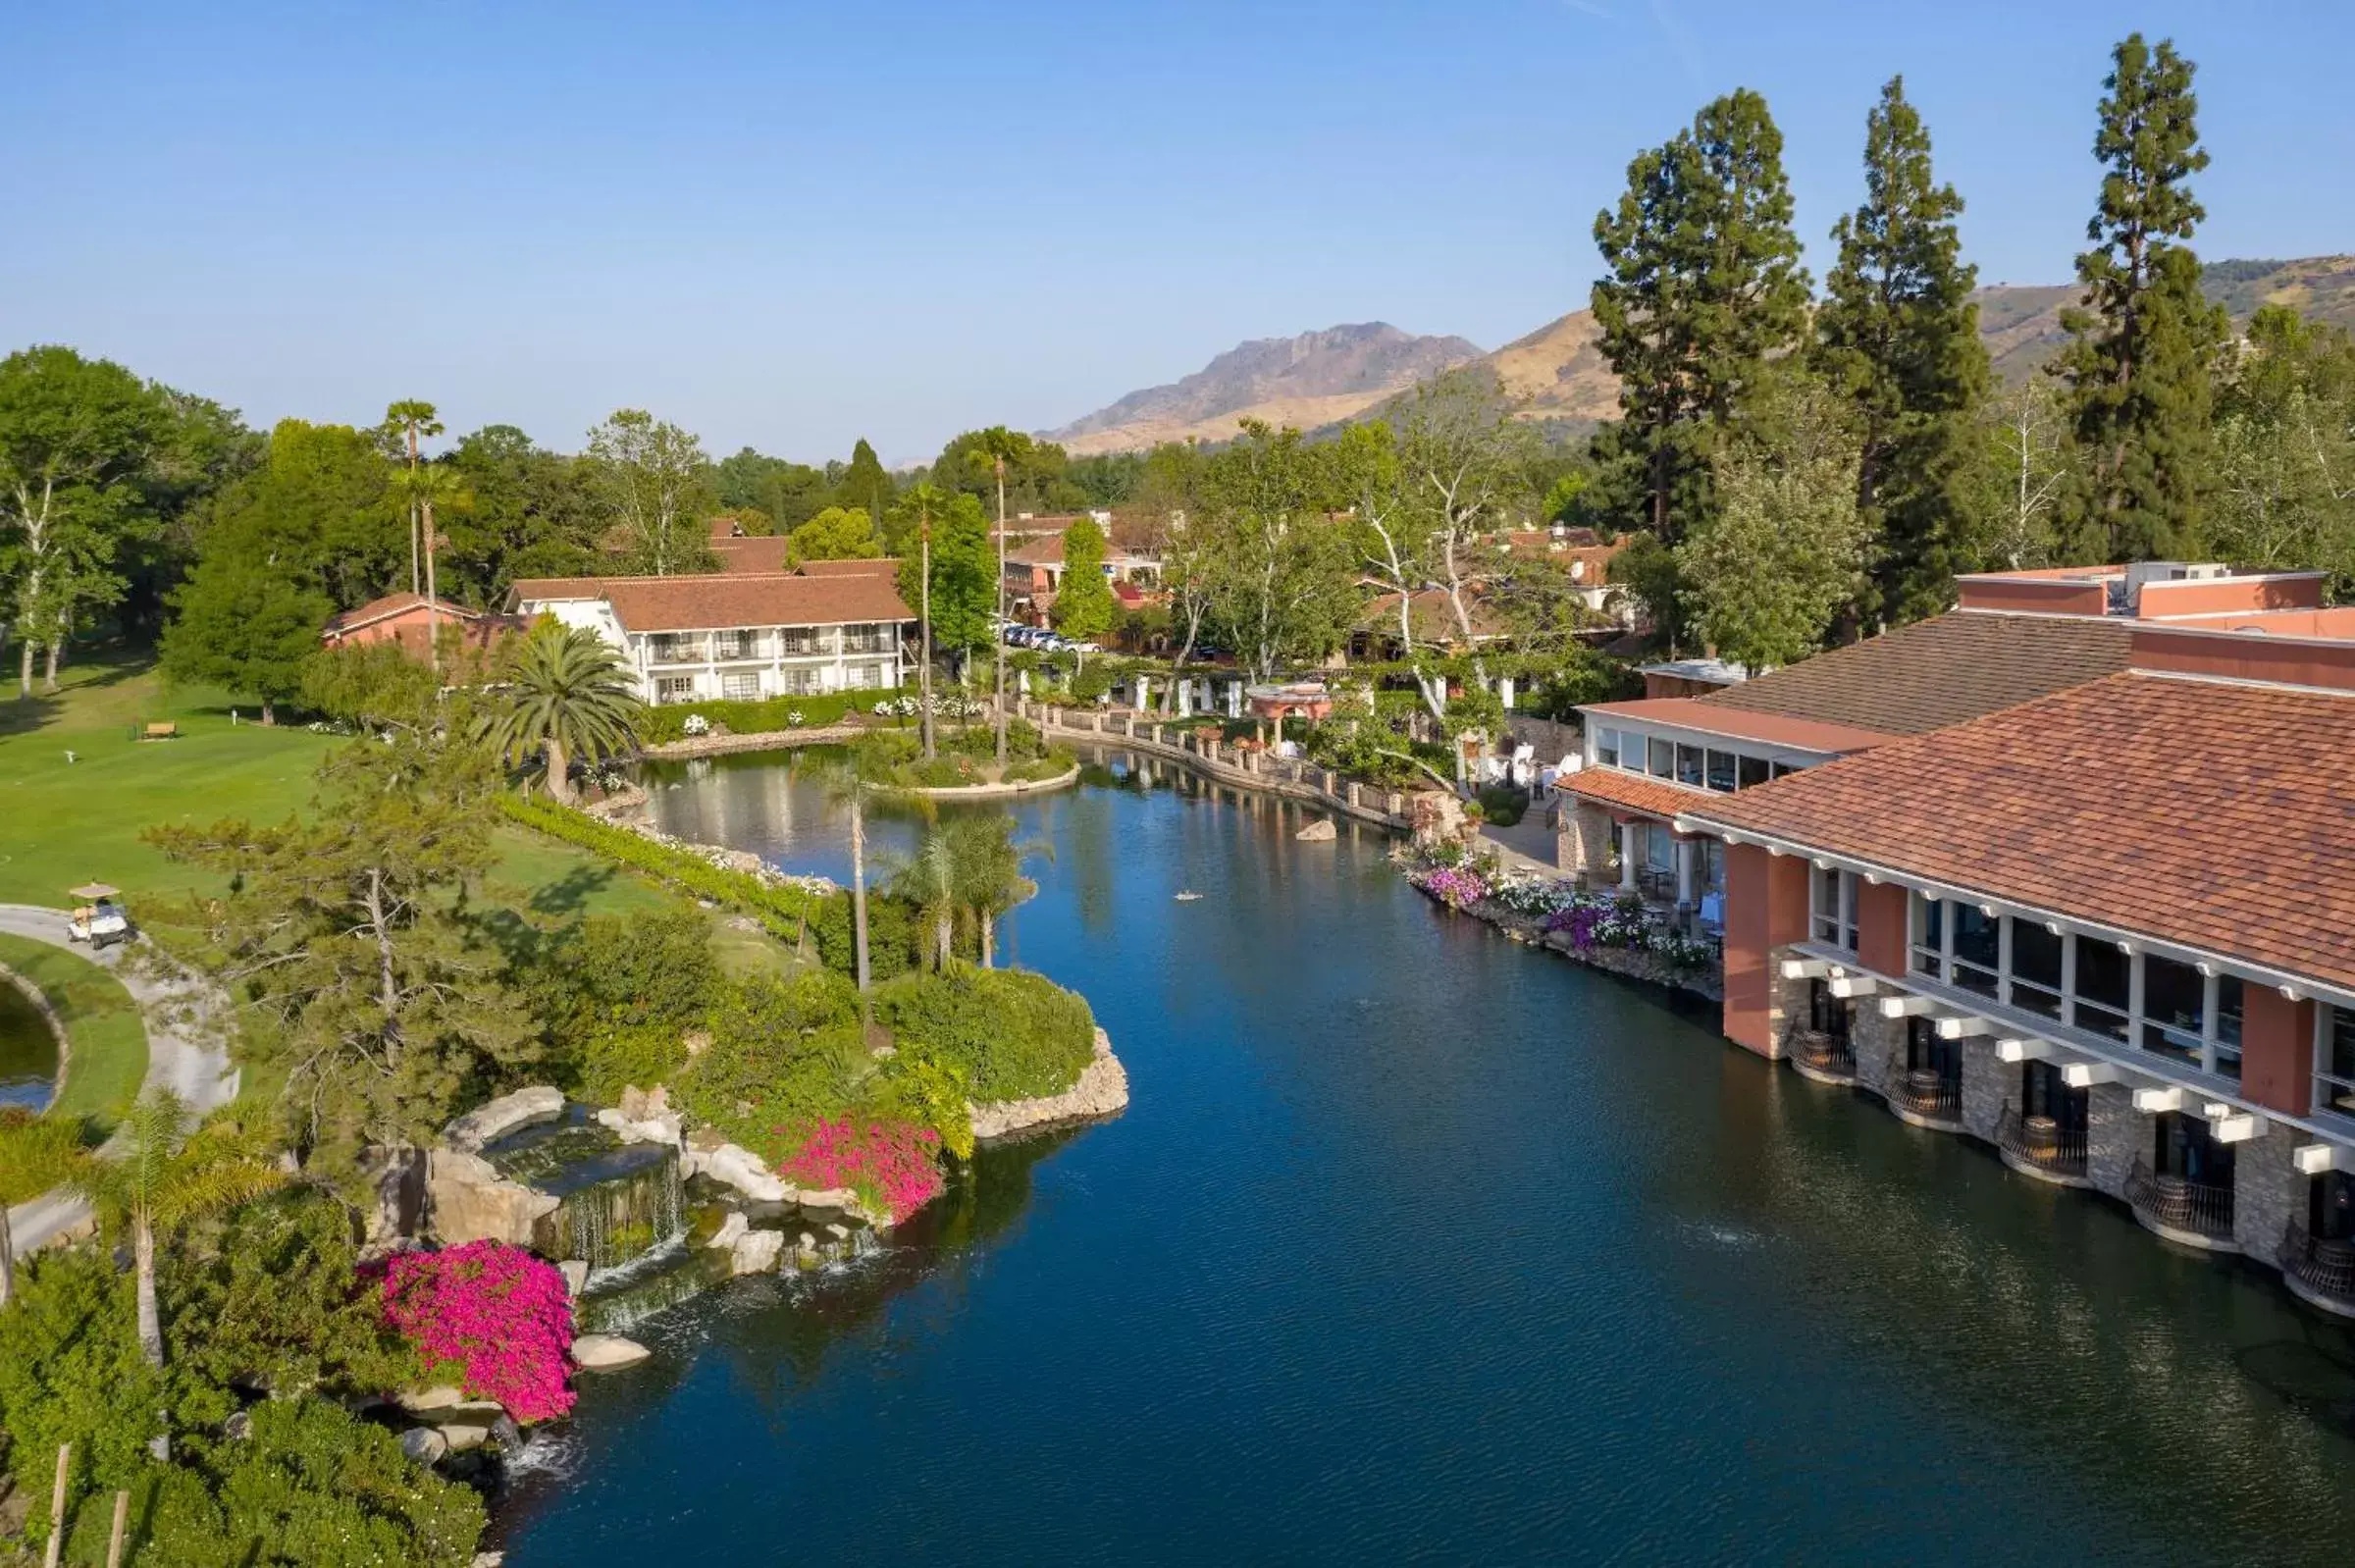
(1875, 1039)
(1144, 693)
(1357, 793)
(2115, 1136)
(1505, 692)
(1987, 1082)
(2267, 1191)
(1185, 699)
(1628, 856)
(1235, 699)
(1686, 852)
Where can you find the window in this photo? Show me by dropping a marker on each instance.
(729, 645)
(797, 641)
(1978, 947)
(1660, 756)
(673, 649)
(1833, 899)
(2227, 1025)
(2036, 978)
(2175, 1009)
(1607, 748)
(1926, 952)
(1689, 765)
(1780, 768)
(1750, 770)
(1721, 770)
(2335, 1061)
(675, 688)
(2105, 988)
(742, 686)
(800, 682)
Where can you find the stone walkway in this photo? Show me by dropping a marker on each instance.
(1529, 844)
(187, 1046)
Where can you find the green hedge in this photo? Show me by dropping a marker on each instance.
(780, 909)
(1014, 1036)
(668, 721)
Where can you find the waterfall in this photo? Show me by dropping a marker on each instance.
(614, 1218)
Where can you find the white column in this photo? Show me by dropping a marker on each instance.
(1685, 856)
(1235, 699)
(1504, 691)
(1629, 841)
(1185, 699)
(1144, 694)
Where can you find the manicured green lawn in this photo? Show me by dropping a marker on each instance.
(108, 1042)
(65, 823)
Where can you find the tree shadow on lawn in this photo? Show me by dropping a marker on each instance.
(570, 893)
(21, 715)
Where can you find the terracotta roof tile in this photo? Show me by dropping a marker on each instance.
(1654, 797)
(719, 601)
(1937, 672)
(2214, 816)
(1777, 729)
(754, 554)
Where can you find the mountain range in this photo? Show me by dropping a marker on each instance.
(1557, 373)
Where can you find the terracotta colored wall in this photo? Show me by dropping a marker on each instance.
(2206, 597)
(1765, 908)
(2034, 596)
(2277, 1050)
(2181, 650)
(1881, 928)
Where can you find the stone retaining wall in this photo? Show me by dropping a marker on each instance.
(757, 741)
(1289, 778)
(1102, 1090)
(1647, 966)
(49, 1016)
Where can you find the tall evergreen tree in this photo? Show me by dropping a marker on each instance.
(864, 484)
(2141, 347)
(1898, 337)
(1704, 284)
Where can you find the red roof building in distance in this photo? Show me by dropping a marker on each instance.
(414, 623)
(739, 635)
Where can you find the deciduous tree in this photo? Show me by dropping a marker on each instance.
(837, 534)
(246, 626)
(1083, 606)
(649, 475)
(1281, 572)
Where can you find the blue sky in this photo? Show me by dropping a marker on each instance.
(789, 225)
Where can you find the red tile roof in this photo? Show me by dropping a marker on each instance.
(759, 553)
(1775, 729)
(1630, 792)
(1937, 672)
(880, 565)
(2214, 816)
(377, 609)
(722, 600)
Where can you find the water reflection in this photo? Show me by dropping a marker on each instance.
(28, 1052)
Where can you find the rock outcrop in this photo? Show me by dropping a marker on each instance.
(732, 1164)
(470, 1201)
(730, 1228)
(394, 1176)
(425, 1444)
(645, 1116)
(1102, 1090)
(487, 1124)
(606, 1352)
(756, 1251)
(1320, 831)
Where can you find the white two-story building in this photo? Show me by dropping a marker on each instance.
(739, 635)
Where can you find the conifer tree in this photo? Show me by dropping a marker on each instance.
(1704, 284)
(1898, 337)
(2136, 369)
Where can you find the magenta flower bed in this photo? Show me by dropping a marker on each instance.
(496, 1313)
(1457, 885)
(892, 1161)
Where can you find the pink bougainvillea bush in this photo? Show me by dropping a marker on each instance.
(497, 1314)
(893, 1162)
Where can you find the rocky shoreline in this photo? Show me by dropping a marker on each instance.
(1650, 968)
(1102, 1091)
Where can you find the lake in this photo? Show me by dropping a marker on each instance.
(1414, 1242)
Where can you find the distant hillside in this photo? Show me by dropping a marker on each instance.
(1557, 375)
(2022, 324)
(1318, 378)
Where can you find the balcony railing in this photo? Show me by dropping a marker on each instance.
(2325, 1266)
(2180, 1205)
(1924, 1091)
(1821, 1051)
(2042, 1142)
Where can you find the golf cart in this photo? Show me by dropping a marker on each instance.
(99, 918)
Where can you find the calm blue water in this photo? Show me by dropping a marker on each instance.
(1415, 1243)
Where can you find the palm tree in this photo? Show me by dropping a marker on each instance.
(568, 695)
(998, 445)
(933, 880)
(37, 1153)
(160, 1184)
(928, 499)
(427, 488)
(847, 781)
(412, 417)
(988, 872)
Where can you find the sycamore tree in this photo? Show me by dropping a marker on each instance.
(1703, 286)
(378, 998)
(1785, 549)
(649, 476)
(2023, 467)
(1083, 603)
(2144, 339)
(1281, 575)
(1898, 336)
(76, 437)
(2286, 449)
(837, 534)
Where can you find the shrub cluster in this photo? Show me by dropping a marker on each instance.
(1010, 1034)
(890, 1165)
(493, 1314)
(764, 715)
(780, 907)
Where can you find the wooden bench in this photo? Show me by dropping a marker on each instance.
(164, 730)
